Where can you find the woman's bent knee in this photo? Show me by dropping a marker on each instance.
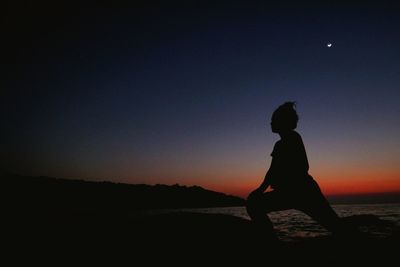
(254, 207)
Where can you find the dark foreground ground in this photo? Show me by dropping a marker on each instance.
(181, 239)
(48, 221)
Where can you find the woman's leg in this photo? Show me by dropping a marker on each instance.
(259, 205)
(315, 205)
(323, 213)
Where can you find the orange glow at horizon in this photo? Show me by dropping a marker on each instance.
(329, 185)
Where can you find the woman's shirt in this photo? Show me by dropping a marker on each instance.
(289, 167)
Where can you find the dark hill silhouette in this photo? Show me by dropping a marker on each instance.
(47, 194)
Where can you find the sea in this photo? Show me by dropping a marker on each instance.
(293, 225)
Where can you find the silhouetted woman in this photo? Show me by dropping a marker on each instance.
(293, 187)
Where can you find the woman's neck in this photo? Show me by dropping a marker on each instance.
(284, 134)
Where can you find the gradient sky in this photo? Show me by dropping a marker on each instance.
(183, 92)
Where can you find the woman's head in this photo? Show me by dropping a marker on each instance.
(284, 118)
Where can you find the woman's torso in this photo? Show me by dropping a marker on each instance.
(290, 163)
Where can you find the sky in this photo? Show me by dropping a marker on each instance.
(183, 92)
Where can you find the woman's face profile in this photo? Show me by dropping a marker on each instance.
(274, 126)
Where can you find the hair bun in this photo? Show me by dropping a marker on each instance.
(289, 104)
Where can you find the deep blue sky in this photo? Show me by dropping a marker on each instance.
(182, 93)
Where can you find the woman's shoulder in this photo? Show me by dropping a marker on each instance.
(295, 133)
(295, 136)
(293, 140)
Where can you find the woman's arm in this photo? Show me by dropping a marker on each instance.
(266, 182)
(264, 185)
